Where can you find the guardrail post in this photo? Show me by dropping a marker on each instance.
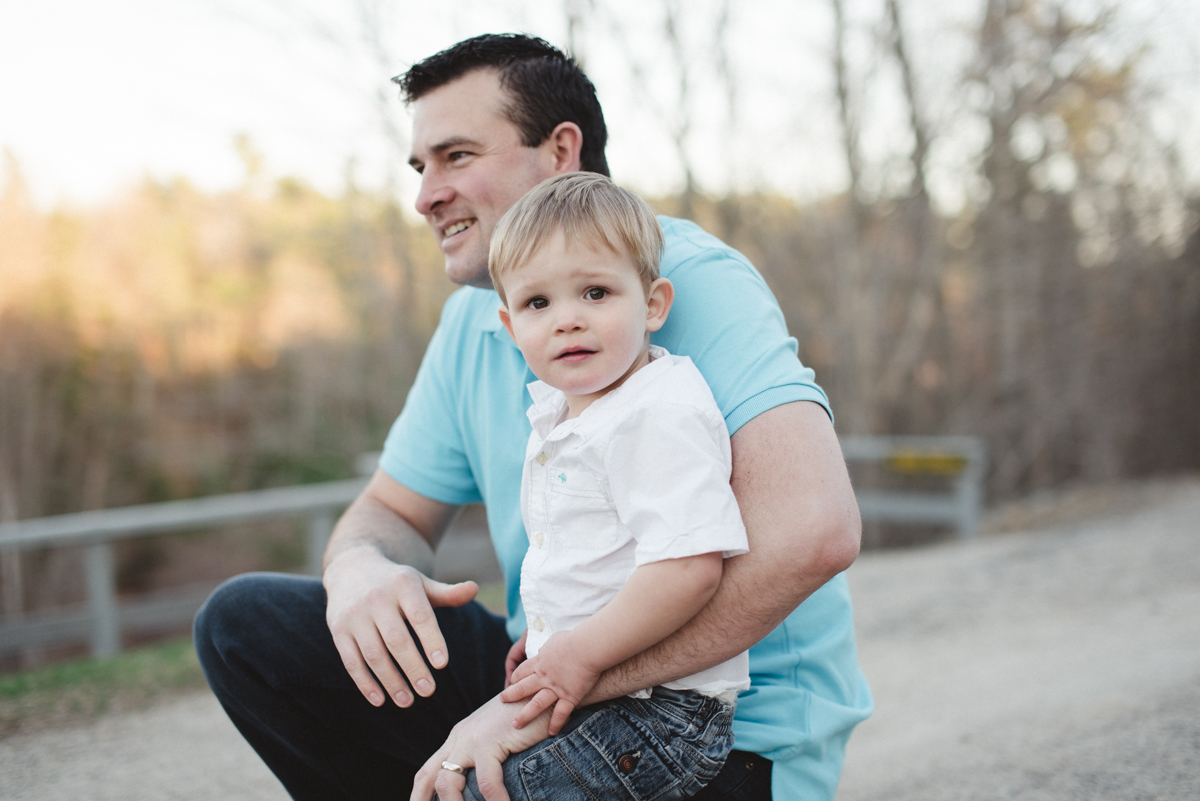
(102, 600)
(320, 527)
(969, 492)
(10, 573)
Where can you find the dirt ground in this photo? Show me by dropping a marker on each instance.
(1058, 661)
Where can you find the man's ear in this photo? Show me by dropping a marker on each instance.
(658, 303)
(506, 319)
(565, 143)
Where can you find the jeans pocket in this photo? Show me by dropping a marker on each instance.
(607, 757)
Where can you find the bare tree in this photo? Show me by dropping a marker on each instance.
(919, 223)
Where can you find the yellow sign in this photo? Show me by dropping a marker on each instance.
(926, 463)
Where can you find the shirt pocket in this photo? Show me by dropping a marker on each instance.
(581, 515)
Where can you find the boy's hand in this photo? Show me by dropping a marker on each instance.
(516, 655)
(556, 677)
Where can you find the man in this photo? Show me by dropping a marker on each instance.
(291, 662)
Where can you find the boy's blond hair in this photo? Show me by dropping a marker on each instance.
(586, 207)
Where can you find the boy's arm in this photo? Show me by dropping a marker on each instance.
(656, 600)
(803, 525)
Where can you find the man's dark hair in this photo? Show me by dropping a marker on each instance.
(545, 86)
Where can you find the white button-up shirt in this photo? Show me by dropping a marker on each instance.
(641, 476)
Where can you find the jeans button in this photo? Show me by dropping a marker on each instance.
(628, 762)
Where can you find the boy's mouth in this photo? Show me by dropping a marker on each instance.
(458, 227)
(574, 355)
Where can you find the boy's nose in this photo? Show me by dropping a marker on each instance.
(569, 318)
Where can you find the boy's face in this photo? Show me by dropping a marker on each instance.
(582, 318)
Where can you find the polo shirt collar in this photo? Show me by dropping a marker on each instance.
(489, 315)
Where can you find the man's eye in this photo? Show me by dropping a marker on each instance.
(538, 303)
(596, 293)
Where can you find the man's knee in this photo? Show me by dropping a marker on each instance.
(252, 611)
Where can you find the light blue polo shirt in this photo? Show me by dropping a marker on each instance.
(461, 439)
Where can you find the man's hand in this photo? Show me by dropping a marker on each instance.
(375, 586)
(555, 677)
(482, 740)
(369, 600)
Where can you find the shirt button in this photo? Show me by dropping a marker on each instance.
(542, 458)
(539, 538)
(537, 624)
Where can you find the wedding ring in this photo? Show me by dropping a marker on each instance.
(459, 769)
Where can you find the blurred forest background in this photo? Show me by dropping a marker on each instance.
(1021, 264)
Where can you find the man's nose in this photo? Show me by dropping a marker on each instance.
(435, 191)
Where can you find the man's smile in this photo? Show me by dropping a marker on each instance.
(458, 227)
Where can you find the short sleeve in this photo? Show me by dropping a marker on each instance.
(668, 471)
(424, 449)
(727, 320)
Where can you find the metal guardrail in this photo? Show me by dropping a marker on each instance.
(961, 459)
(103, 618)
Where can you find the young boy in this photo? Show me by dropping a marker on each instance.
(625, 498)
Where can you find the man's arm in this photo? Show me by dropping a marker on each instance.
(376, 578)
(803, 526)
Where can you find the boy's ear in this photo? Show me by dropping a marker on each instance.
(658, 303)
(506, 319)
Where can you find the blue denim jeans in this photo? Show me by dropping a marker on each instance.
(267, 653)
(665, 747)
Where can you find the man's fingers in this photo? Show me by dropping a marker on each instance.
(490, 778)
(544, 699)
(417, 609)
(562, 713)
(356, 665)
(425, 778)
(378, 655)
(417, 606)
(423, 782)
(449, 785)
(440, 594)
(400, 646)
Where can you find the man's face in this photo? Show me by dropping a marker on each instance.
(473, 167)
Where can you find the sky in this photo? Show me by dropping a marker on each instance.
(97, 94)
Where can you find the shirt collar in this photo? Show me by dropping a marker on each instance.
(489, 315)
(550, 404)
(489, 318)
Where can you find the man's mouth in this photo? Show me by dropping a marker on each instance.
(458, 227)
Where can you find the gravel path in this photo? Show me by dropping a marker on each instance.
(1059, 664)
(1056, 664)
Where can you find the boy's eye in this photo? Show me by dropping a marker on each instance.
(596, 293)
(538, 303)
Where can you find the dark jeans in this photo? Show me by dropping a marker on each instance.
(662, 748)
(270, 660)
